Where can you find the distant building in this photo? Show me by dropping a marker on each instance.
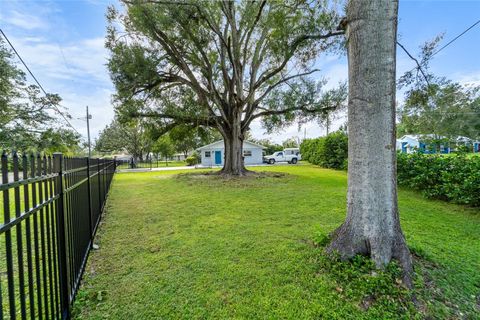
(180, 156)
(465, 141)
(422, 143)
(214, 153)
(419, 143)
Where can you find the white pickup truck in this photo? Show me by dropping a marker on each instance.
(290, 155)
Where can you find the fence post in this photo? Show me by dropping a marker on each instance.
(60, 220)
(90, 201)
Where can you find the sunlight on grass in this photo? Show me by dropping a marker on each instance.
(190, 247)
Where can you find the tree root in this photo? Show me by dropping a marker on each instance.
(229, 173)
(348, 244)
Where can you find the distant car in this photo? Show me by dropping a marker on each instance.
(290, 155)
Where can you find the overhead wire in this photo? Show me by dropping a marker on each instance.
(447, 44)
(55, 108)
(454, 39)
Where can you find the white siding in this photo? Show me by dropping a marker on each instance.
(411, 143)
(255, 158)
(208, 162)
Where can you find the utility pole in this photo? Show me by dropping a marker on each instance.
(89, 116)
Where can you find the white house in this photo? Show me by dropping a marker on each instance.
(408, 143)
(213, 154)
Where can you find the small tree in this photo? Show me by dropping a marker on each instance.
(130, 137)
(186, 138)
(164, 147)
(290, 143)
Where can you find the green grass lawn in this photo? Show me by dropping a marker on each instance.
(203, 248)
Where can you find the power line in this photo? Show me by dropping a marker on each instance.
(446, 45)
(454, 39)
(36, 80)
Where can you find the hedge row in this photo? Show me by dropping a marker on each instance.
(454, 178)
(329, 152)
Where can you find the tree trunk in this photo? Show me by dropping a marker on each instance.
(233, 140)
(372, 226)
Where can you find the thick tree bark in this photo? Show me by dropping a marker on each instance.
(372, 226)
(233, 140)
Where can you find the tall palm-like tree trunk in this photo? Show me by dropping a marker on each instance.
(372, 226)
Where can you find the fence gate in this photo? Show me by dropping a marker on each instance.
(51, 210)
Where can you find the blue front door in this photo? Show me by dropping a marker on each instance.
(218, 157)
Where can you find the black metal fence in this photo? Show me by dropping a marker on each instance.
(51, 210)
(149, 163)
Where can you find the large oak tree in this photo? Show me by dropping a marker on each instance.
(221, 64)
(372, 226)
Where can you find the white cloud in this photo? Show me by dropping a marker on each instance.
(98, 102)
(68, 61)
(472, 78)
(25, 21)
(335, 74)
(77, 72)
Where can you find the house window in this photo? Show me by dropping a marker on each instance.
(207, 154)
(247, 153)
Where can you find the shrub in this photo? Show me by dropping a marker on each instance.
(329, 152)
(193, 159)
(452, 178)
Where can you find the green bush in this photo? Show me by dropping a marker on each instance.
(452, 178)
(329, 152)
(193, 159)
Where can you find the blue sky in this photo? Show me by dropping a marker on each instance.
(62, 42)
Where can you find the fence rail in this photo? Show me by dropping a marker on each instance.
(149, 164)
(51, 209)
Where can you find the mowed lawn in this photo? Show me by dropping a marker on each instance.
(196, 247)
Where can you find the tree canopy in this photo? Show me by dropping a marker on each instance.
(186, 138)
(221, 64)
(130, 137)
(27, 122)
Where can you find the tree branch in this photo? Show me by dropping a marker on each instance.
(419, 67)
(265, 76)
(178, 119)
